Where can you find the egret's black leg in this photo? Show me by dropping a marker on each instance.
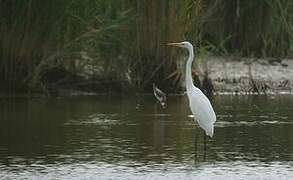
(195, 144)
(204, 145)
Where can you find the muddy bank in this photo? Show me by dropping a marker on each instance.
(242, 75)
(224, 74)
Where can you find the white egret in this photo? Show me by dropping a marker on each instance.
(199, 104)
(160, 95)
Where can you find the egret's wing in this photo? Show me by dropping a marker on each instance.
(202, 110)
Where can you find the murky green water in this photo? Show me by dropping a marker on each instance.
(133, 138)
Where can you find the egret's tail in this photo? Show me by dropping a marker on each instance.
(207, 127)
(210, 131)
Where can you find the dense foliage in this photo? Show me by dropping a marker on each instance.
(120, 45)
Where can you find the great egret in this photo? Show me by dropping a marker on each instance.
(199, 104)
(160, 95)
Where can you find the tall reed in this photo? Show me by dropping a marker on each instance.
(126, 40)
(249, 28)
(27, 30)
(37, 36)
(158, 22)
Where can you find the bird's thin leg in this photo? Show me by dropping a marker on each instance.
(205, 145)
(195, 144)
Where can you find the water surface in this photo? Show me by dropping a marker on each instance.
(134, 138)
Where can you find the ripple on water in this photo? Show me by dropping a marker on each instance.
(249, 143)
(168, 170)
(97, 119)
(245, 120)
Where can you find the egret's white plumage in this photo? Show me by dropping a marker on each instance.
(199, 104)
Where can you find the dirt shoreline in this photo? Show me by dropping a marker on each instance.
(228, 75)
(245, 75)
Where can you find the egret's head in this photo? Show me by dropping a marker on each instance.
(183, 44)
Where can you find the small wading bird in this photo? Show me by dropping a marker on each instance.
(199, 104)
(160, 96)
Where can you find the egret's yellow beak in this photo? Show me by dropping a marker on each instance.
(173, 44)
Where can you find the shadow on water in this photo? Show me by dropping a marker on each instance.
(121, 137)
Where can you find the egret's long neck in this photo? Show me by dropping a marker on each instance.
(188, 75)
